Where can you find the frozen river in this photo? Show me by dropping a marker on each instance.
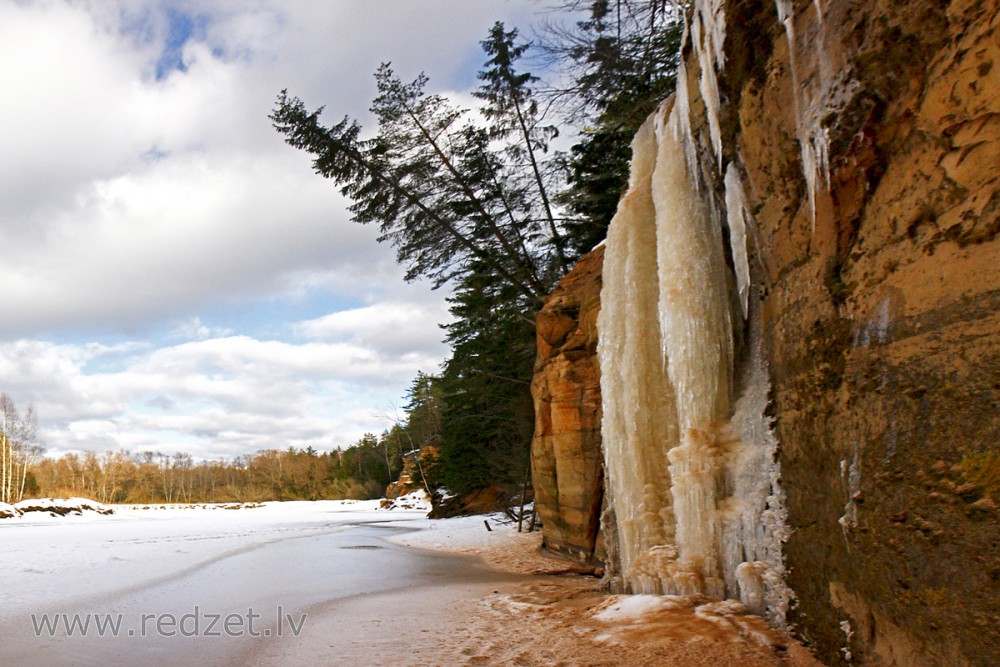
(207, 586)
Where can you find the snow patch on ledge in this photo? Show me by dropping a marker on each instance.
(633, 607)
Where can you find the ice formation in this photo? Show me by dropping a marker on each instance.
(708, 32)
(737, 216)
(692, 477)
(639, 412)
(691, 474)
(851, 476)
(754, 518)
(816, 93)
(696, 337)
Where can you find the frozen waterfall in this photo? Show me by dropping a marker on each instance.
(689, 454)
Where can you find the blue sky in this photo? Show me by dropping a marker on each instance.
(181, 26)
(175, 278)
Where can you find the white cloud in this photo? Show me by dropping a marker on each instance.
(389, 325)
(140, 216)
(194, 328)
(198, 396)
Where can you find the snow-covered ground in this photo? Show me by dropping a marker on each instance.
(331, 583)
(168, 561)
(49, 559)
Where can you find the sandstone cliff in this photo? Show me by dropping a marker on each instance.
(419, 472)
(866, 137)
(566, 450)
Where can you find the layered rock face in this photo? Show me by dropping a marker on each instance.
(865, 136)
(411, 477)
(882, 312)
(566, 461)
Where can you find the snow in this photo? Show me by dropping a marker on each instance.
(462, 534)
(415, 500)
(7, 511)
(62, 506)
(56, 559)
(280, 560)
(632, 607)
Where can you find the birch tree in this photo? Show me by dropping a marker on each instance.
(18, 449)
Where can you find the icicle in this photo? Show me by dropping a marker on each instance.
(824, 59)
(639, 416)
(706, 35)
(787, 18)
(696, 335)
(851, 476)
(694, 313)
(813, 100)
(737, 215)
(807, 153)
(708, 83)
(684, 135)
(754, 523)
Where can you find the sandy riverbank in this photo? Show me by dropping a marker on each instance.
(506, 603)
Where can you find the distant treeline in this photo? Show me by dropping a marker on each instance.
(360, 471)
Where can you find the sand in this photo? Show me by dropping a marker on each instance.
(501, 601)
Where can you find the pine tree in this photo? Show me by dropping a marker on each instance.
(489, 415)
(466, 204)
(430, 180)
(515, 119)
(623, 61)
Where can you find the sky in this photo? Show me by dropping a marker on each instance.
(175, 278)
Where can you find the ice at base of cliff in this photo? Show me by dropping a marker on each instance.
(630, 607)
(689, 487)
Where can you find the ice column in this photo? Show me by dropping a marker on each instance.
(737, 215)
(691, 475)
(639, 414)
(697, 342)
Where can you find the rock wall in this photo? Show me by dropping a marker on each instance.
(883, 313)
(866, 136)
(411, 477)
(566, 462)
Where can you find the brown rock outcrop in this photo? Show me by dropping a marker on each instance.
(411, 477)
(566, 458)
(880, 313)
(480, 501)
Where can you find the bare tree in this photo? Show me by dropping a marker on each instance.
(18, 450)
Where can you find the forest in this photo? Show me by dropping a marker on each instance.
(361, 470)
(481, 201)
